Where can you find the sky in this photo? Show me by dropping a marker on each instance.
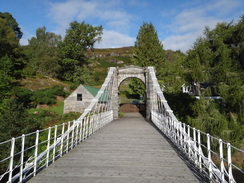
(178, 22)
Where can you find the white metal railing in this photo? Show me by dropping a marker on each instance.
(205, 150)
(28, 154)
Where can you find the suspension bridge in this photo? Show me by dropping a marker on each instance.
(99, 147)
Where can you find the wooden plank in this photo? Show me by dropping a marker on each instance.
(129, 149)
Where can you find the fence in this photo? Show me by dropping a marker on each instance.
(205, 150)
(23, 157)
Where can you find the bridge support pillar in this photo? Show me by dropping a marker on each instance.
(115, 96)
(149, 95)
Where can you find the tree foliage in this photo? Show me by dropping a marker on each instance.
(43, 53)
(5, 76)
(218, 57)
(15, 120)
(218, 54)
(11, 62)
(79, 37)
(148, 50)
(10, 34)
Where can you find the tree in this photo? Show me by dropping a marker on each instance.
(12, 23)
(197, 63)
(218, 57)
(10, 34)
(43, 53)
(238, 36)
(79, 37)
(148, 50)
(15, 120)
(5, 76)
(11, 62)
(220, 63)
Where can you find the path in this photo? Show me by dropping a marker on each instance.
(129, 149)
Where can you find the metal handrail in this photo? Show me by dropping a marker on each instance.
(49, 144)
(188, 139)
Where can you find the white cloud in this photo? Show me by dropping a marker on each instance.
(26, 36)
(24, 41)
(112, 39)
(190, 23)
(138, 3)
(115, 20)
(179, 42)
(104, 11)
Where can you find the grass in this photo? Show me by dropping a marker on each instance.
(101, 69)
(41, 83)
(122, 51)
(57, 108)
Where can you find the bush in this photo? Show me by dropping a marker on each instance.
(59, 91)
(45, 96)
(48, 95)
(74, 86)
(23, 96)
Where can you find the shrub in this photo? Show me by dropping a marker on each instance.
(59, 91)
(48, 95)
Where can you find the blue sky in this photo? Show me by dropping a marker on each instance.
(178, 22)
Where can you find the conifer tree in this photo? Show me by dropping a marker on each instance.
(148, 49)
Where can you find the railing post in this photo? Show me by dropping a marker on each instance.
(77, 133)
(11, 162)
(86, 127)
(22, 158)
(189, 139)
(92, 123)
(67, 143)
(231, 179)
(221, 156)
(199, 149)
(81, 130)
(184, 139)
(54, 142)
(175, 125)
(209, 157)
(62, 141)
(195, 145)
(36, 152)
(48, 145)
(72, 135)
(180, 133)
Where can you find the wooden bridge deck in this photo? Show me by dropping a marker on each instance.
(129, 149)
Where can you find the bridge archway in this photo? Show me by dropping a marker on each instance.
(124, 73)
(131, 72)
(129, 101)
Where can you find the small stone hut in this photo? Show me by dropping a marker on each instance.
(80, 99)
